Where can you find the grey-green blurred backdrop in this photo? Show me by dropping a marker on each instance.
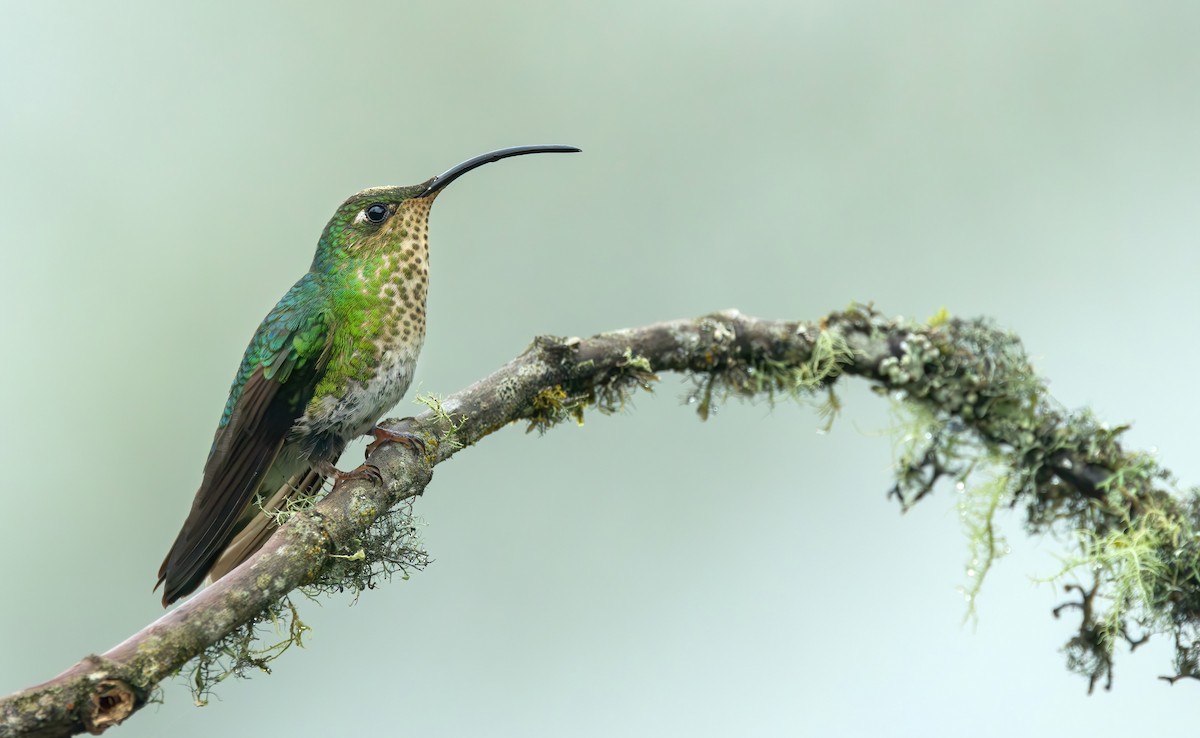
(166, 169)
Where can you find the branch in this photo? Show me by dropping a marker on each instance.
(968, 385)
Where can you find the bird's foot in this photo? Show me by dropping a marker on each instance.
(366, 471)
(396, 435)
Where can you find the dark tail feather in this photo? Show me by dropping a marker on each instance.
(175, 587)
(252, 537)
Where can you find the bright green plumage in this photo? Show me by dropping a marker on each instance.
(292, 336)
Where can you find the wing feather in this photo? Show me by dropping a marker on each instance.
(277, 378)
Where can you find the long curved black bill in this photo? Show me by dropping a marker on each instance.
(453, 173)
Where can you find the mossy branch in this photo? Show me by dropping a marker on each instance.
(973, 403)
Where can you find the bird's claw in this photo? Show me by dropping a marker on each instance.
(366, 471)
(391, 435)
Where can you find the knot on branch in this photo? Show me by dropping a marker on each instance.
(111, 701)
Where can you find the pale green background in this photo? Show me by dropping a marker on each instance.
(166, 171)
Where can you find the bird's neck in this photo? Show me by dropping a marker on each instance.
(380, 293)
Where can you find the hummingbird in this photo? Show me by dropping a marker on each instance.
(335, 354)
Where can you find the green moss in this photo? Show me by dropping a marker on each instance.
(449, 426)
(928, 450)
(551, 406)
(1134, 580)
(240, 654)
(762, 377)
(607, 392)
(977, 415)
(391, 545)
(978, 503)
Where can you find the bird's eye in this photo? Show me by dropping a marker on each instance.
(376, 213)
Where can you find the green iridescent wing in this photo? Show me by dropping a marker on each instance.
(276, 380)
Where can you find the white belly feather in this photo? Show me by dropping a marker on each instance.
(362, 405)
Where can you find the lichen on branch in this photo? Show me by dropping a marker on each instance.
(1135, 572)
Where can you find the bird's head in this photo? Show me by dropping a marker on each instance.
(385, 218)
